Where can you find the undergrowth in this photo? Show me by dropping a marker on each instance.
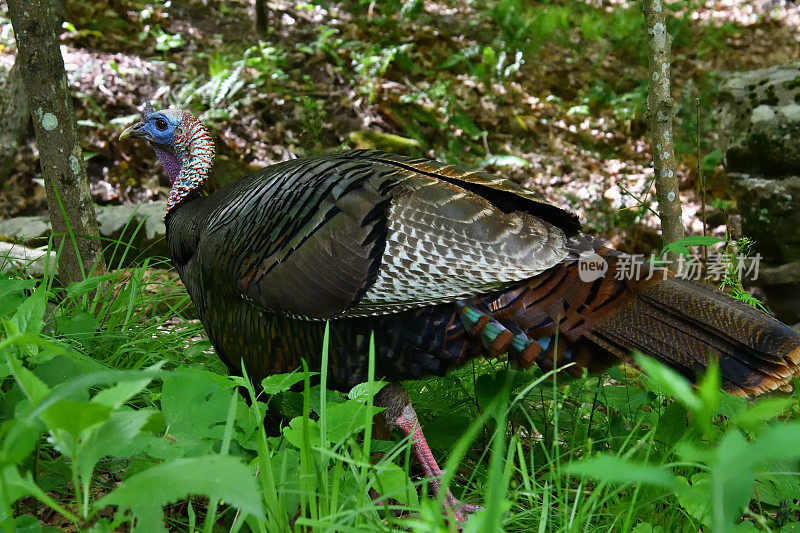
(116, 415)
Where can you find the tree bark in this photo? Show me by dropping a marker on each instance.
(14, 118)
(36, 26)
(262, 18)
(660, 109)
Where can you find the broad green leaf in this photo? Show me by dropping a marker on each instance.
(12, 294)
(29, 318)
(391, 481)
(117, 437)
(285, 466)
(363, 391)
(622, 471)
(777, 443)
(83, 382)
(694, 497)
(776, 484)
(195, 408)
(294, 431)
(79, 325)
(732, 480)
(672, 424)
(66, 367)
(488, 386)
(281, 382)
(756, 415)
(30, 314)
(670, 382)
(33, 388)
(220, 477)
(681, 246)
(19, 438)
(120, 393)
(15, 486)
(346, 418)
(730, 406)
(709, 390)
(75, 417)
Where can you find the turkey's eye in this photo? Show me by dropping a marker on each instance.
(161, 124)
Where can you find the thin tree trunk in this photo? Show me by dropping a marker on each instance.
(660, 110)
(14, 118)
(36, 26)
(262, 18)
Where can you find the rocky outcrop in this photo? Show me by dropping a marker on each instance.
(760, 120)
(18, 258)
(770, 210)
(760, 134)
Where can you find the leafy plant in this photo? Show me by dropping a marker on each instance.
(259, 66)
(327, 44)
(485, 63)
(736, 456)
(735, 259)
(311, 116)
(371, 62)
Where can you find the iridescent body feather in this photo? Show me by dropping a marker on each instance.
(441, 262)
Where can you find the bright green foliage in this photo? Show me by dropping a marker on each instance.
(108, 420)
(681, 246)
(740, 455)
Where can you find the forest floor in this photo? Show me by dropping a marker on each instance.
(552, 94)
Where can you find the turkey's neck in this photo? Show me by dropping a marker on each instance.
(194, 153)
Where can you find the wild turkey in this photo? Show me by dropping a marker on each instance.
(441, 262)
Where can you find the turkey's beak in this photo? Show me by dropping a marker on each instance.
(133, 131)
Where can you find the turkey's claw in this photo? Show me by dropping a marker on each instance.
(409, 423)
(400, 414)
(460, 511)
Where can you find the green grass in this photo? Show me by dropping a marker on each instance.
(115, 412)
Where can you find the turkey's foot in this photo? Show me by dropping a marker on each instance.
(409, 424)
(400, 413)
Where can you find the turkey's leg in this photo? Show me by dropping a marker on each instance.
(399, 413)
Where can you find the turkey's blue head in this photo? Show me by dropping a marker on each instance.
(182, 144)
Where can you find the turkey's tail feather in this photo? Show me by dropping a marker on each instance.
(558, 317)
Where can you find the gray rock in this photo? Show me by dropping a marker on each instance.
(770, 214)
(140, 226)
(779, 287)
(760, 120)
(788, 273)
(27, 229)
(19, 258)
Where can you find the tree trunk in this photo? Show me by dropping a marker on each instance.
(14, 118)
(660, 108)
(262, 18)
(37, 26)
